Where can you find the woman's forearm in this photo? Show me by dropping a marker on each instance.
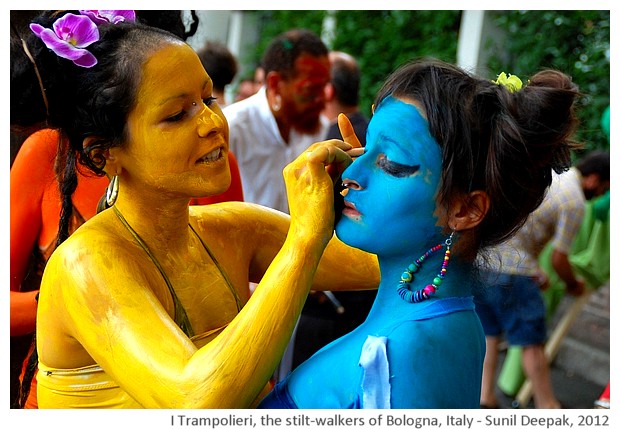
(248, 351)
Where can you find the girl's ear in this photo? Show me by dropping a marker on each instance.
(469, 210)
(98, 154)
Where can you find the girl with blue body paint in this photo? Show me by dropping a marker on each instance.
(453, 163)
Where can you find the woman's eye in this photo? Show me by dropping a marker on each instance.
(177, 117)
(395, 169)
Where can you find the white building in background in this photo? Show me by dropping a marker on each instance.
(476, 29)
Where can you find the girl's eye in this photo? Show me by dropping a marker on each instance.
(395, 169)
(177, 117)
(209, 101)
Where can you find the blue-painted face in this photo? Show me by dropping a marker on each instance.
(391, 199)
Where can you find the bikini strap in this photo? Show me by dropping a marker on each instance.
(222, 272)
(180, 315)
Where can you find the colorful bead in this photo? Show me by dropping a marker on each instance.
(430, 290)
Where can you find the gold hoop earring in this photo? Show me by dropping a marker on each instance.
(112, 192)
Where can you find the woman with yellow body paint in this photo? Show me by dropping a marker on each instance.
(147, 304)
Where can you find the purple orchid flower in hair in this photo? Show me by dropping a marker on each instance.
(110, 16)
(70, 35)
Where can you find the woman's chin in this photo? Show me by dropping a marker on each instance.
(347, 232)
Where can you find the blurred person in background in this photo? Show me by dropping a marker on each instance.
(222, 67)
(512, 305)
(271, 128)
(343, 95)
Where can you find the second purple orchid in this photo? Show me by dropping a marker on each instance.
(110, 16)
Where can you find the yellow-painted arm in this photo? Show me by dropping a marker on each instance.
(345, 268)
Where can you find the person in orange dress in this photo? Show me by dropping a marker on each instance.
(35, 213)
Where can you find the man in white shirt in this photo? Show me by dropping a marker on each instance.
(271, 128)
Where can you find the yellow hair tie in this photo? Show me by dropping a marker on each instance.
(512, 82)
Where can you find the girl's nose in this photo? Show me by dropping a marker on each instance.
(209, 123)
(351, 184)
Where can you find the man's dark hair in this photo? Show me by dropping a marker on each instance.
(346, 80)
(595, 162)
(282, 52)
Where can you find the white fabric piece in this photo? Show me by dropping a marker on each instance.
(376, 380)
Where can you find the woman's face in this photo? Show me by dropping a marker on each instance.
(178, 135)
(390, 204)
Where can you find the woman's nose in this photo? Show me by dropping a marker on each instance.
(209, 123)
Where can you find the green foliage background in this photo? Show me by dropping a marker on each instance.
(575, 42)
(383, 40)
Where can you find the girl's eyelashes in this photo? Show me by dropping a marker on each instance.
(209, 100)
(395, 169)
(177, 117)
(180, 115)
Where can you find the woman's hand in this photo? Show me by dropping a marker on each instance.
(542, 279)
(349, 136)
(310, 186)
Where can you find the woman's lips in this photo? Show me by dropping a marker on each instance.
(212, 156)
(350, 210)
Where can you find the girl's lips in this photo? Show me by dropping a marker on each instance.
(350, 210)
(212, 156)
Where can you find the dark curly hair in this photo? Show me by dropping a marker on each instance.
(219, 62)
